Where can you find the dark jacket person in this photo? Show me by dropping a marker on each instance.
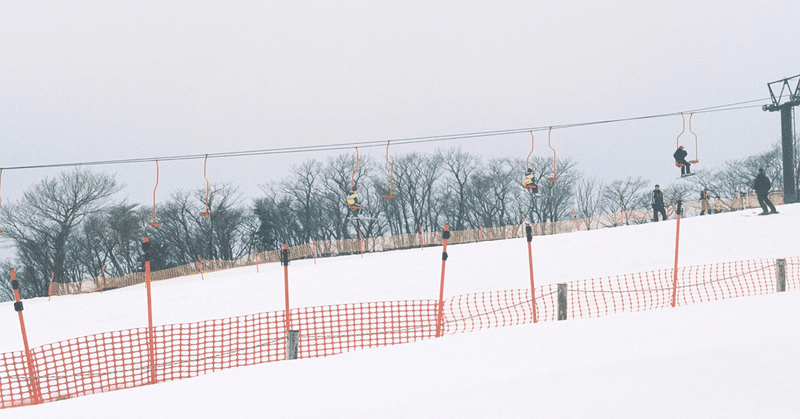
(762, 186)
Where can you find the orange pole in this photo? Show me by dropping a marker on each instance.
(577, 226)
(153, 222)
(314, 250)
(529, 234)
(207, 211)
(675, 268)
(285, 263)
(255, 248)
(202, 278)
(34, 380)
(151, 349)
(440, 315)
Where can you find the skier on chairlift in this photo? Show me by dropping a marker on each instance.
(680, 161)
(529, 183)
(352, 202)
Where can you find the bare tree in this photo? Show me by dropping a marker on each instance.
(459, 166)
(622, 197)
(588, 200)
(42, 224)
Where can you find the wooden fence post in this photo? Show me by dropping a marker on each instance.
(562, 301)
(780, 270)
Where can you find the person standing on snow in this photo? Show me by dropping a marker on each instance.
(680, 159)
(658, 205)
(704, 202)
(762, 185)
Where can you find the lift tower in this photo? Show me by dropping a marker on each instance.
(786, 105)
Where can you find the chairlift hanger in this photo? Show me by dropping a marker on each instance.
(554, 178)
(530, 186)
(391, 174)
(153, 220)
(354, 207)
(696, 153)
(207, 212)
(678, 139)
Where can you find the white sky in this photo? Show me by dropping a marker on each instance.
(96, 80)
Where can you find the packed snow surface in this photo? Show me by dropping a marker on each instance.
(731, 358)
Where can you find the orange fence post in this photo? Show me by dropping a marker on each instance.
(577, 226)
(360, 245)
(50, 288)
(202, 278)
(151, 349)
(285, 263)
(677, 237)
(255, 248)
(314, 250)
(33, 382)
(529, 234)
(440, 315)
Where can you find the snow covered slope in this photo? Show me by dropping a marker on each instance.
(725, 359)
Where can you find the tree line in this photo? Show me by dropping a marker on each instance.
(69, 227)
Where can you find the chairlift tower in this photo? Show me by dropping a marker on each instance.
(786, 99)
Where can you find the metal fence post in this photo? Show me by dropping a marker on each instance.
(562, 301)
(292, 343)
(780, 269)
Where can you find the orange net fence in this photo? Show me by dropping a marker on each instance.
(137, 357)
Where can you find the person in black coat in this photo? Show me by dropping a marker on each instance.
(658, 205)
(762, 185)
(680, 158)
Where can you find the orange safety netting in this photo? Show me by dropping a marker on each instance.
(123, 359)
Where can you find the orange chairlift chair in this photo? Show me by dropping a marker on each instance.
(391, 174)
(528, 182)
(554, 178)
(678, 140)
(352, 204)
(153, 220)
(207, 212)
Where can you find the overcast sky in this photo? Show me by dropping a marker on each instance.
(87, 81)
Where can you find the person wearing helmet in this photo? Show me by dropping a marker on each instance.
(352, 201)
(528, 181)
(680, 160)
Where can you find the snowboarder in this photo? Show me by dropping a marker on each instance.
(680, 161)
(762, 186)
(658, 205)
